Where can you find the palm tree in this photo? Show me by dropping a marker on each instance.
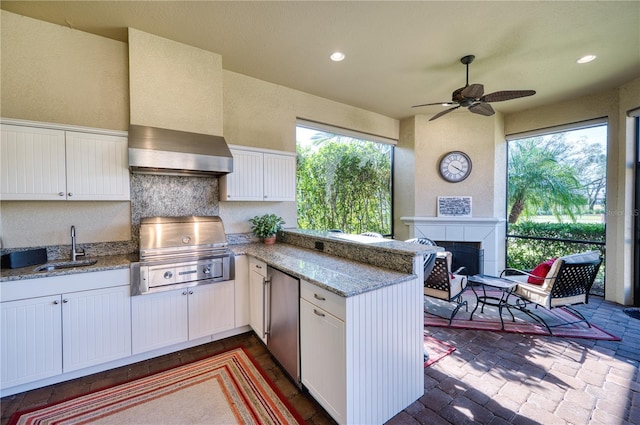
(539, 180)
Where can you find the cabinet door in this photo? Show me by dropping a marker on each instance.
(279, 177)
(323, 358)
(246, 181)
(257, 294)
(211, 309)
(243, 309)
(96, 327)
(32, 163)
(97, 167)
(30, 340)
(158, 320)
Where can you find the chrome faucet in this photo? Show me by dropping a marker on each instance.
(75, 253)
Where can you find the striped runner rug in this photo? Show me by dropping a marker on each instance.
(228, 388)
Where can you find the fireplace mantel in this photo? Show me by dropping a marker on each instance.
(490, 232)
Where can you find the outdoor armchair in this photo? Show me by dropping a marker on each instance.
(567, 283)
(441, 283)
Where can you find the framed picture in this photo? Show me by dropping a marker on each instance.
(454, 206)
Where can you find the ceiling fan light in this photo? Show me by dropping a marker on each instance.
(337, 56)
(586, 59)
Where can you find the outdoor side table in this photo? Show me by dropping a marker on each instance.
(506, 288)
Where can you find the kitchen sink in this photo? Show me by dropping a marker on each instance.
(65, 265)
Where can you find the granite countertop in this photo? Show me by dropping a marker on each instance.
(338, 275)
(107, 262)
(341, 276)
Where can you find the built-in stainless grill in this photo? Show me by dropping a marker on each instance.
(180, 252)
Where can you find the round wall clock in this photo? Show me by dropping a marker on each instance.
(455, 166)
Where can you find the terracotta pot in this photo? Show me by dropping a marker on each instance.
(270, 240)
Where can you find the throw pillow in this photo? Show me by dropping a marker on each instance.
(540, 272)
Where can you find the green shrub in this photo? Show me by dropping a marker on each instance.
(525, 254)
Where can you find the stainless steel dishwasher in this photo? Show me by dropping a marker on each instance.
(282, 328)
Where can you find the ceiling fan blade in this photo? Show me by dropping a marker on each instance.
(446, 111)
(436, 103)
(482, 109)
(474, 91)
(499, 96)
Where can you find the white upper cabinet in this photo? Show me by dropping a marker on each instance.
(279, 177)
(33, 163)
(260, 175)
(246, 181)
(97, 167)
(54, 164)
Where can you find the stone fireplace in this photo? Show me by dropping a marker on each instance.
(488, 233)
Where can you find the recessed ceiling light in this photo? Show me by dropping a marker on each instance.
(337, 56)
(586, 59)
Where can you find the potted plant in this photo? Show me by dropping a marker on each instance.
(266, 227)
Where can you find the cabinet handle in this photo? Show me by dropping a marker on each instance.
(258, 266)
(318, 297)
(60, 193)
(56, 302)
(184, 293)
(266, 307)
(190, 292)
(70, 193)
(318, 313)
(65, 301)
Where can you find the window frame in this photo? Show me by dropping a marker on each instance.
(341, 131)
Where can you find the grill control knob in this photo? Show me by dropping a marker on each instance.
(168, 275)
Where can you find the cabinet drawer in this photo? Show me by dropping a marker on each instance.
(326, 300)
(258, 266)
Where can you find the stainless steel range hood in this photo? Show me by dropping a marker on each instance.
(162, 151)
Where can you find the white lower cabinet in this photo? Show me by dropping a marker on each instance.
(323, 358)
(257, 297)
(96, 327)
(361, 356)
(171, 317)
(211, 309)
(46, 336)
(30, 340)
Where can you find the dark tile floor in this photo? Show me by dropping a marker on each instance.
(491, 378)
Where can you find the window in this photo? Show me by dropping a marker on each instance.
(556, 192)
(344, 180)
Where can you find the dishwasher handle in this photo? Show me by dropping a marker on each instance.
(266, 306)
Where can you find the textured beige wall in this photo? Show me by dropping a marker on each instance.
(471, 133)
(173, 85)
(56, 74)
(263, 115)
(44, 223)
(405, 189)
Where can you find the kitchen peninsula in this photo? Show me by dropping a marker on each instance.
(362, 353)
(373, 366)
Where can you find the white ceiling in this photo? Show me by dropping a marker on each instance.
(398, 53)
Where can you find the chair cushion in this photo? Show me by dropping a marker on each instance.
(540, 272)
(582, 257)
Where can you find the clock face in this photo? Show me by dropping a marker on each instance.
(455, 166)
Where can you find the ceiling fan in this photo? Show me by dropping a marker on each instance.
(473, 97)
